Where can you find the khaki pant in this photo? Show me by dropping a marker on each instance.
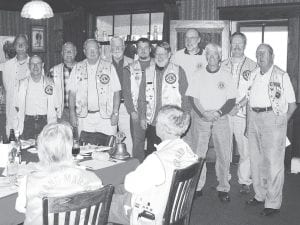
(238, 126)
(201, 131)
(267, 136)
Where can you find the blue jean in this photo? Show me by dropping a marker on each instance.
(267, 136)
(201, 131)
(33, 125)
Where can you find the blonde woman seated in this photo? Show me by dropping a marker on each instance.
(56, 174)
(147, 188)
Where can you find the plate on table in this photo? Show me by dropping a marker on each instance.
(4, 182)
(87, 149)
(102, 148)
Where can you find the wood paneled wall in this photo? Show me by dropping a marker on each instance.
(207, 9)
(11, 24)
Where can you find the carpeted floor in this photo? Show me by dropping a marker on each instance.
(208, 210)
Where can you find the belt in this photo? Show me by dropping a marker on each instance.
(263, 109)
(36, 117)
(93, 111)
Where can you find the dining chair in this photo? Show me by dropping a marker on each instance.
(97, 138)
(183, 187)
(92, 205)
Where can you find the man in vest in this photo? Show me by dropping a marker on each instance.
(163, 83)
(34, 101)
(192, 57)
(148, 187)
(120, 61)
(61, 74)
(14, 70)
(131, 85)
(94, 89)
(240, 67)
(271, 105)
(213, 95)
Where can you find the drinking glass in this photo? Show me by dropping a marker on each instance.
(12, 172)
(75, 148)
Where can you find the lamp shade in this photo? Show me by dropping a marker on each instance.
(36, 9)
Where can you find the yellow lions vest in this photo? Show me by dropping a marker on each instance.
(103, 85)
(135, 80)
(170, 94)
(276, 91)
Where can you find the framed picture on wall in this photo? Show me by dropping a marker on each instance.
(38, 39)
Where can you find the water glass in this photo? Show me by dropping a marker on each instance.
(12, 172)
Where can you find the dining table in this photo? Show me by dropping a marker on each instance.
(110, 171)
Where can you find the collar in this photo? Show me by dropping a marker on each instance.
(164, 143)
(121, 62)
(269, 70)
(16, 60)
(198, 53)
(96, 64)
(208, 70)
(161, 68)
(240, 60)
(65, 65)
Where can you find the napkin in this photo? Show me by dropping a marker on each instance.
(295, 165)
(4, 150)
(6, 188)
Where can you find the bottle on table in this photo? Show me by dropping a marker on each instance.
(12, 136)
(18, 146)
(12, 165)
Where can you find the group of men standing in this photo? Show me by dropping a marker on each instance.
(250, 101)
(237, 97)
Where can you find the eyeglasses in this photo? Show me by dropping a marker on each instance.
(117, 48)
(191, 38)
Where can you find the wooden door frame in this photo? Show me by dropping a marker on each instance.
(206, 26)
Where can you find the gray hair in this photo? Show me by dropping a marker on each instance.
(214, 47)
(69, 43)
(174, 119)
(165, 45)
(269, 47)
(90, 40)
(242, 35)
(24, 36)
(117, 38)
(55, 144)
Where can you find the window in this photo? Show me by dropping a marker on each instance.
(131, 25)
(274, 33)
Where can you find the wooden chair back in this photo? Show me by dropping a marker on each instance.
(93, 205)
(181, 195)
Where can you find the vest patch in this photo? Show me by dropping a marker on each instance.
(170, 78)
(49, 90)
(221, 85)
(246, 75)
(104, 79)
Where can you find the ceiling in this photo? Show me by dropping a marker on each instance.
(89, 5)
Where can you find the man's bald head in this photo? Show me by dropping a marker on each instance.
(192, 32)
